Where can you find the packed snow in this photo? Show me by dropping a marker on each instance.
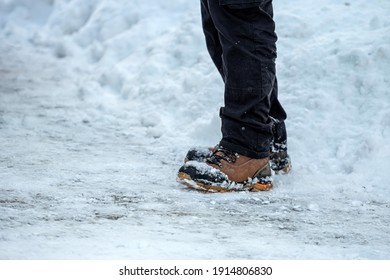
(100, 100)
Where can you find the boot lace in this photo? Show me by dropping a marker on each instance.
(222, 154)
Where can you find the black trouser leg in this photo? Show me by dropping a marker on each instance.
(242, 43)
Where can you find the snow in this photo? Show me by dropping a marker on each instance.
(100, 100)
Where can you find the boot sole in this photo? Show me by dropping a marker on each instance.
(186, 180)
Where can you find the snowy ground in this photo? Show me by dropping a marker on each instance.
(99, 101)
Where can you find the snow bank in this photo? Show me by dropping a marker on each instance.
(334, 84)
(132, 51)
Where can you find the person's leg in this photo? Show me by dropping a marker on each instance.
(248, 41)
(241, 40)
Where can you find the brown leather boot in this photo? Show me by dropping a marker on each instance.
(227, 171)
(280, 161)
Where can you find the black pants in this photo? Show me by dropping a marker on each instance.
(241, 40)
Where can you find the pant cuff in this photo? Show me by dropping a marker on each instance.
(243, 151)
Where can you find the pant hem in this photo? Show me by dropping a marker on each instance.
(243, 151)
